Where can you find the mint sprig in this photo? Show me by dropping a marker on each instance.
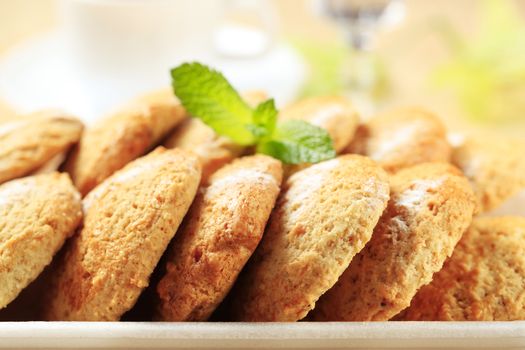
(296, 141)
(207, 95)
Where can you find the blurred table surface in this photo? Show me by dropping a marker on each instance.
(409, 53)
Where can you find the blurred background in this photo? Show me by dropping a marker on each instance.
(462, 59)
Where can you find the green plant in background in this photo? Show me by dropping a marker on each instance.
(487, 72)
(329, 68)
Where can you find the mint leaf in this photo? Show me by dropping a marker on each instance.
(206, 94)
(265, 115)
(264, 119)
(296, 142)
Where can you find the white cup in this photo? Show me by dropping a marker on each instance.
(128, 46)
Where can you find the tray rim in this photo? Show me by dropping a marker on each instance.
(350, 335)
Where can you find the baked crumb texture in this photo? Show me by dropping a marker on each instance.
(430, 207)
(129, 220)
(29, 142)
(214, 151)
(325, 214)
(121, 137)
(401, 138)
(219, 234)
(37, 214)
(333, 113)
(494, 167)
(484, 280)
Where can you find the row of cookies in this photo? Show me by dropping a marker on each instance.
(33, 142)
(325, 215)
(399, 138)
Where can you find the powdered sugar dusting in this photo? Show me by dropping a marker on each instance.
(136, 170)
(249, 176)
(413, 197)
(119, 177)
(315, 176)
(243, 175)
(12, 191)
(324, 115)
(395, 140)
(12, 126)
(377, 192)
(51, 165)
(472, 167)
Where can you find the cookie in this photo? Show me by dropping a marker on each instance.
(401, 138)
(37, 215)
(494, 167)
(129, 220)
(30, 141)
(213, 150)
(220, 233)
(333, 113)
(163, 110)
(484, 280)
(123, 136)
(430, 207)
(325, 214)
(51, 165)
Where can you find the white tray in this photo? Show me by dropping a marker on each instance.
(302, 335)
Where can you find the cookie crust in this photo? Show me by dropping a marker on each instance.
(323, 217)
(29, 142)
(219, 234)
(37, 214)
(494, 167)
(401, 138)
(129, 220)
(430, 207)
(484, 280)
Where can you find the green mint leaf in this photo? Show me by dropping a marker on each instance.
(296, 142)
(207, 95)
(265, 116)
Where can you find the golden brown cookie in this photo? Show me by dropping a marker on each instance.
(118, 139)
(163, 110)
(220, 233)
(484, 280)
(213, 150)
(401, 138)
(323, 217)
(494, 167)
(37, 214)
(51, 165)
(335, 114)
(29, 142)
(430, 207)
(129, 220)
